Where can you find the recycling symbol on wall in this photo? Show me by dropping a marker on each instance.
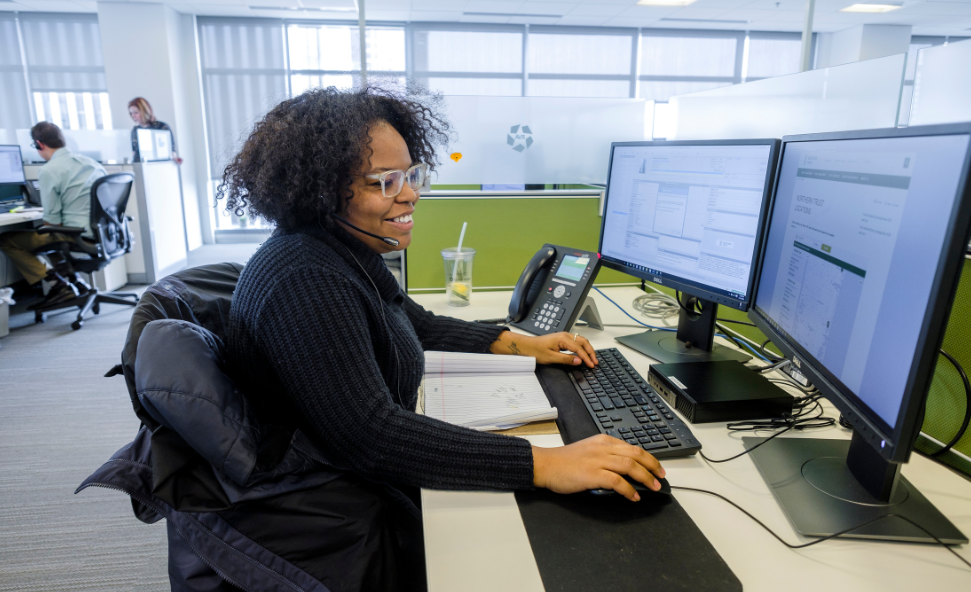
(519, 137)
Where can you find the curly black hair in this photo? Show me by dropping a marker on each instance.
(297, 165)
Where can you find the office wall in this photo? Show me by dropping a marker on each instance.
(865, 42)
(148, 51)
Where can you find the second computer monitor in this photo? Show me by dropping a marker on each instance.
(688, 216)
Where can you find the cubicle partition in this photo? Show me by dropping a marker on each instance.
(505, 229)
(942, 85)
(860, 95)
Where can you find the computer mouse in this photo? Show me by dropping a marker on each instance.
(639, 487)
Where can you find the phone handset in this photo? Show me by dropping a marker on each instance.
(524, 294)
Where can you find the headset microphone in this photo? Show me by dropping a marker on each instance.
(387, 239)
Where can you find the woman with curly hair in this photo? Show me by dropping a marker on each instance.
(321, 338)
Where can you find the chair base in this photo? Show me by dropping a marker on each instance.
(89, 302)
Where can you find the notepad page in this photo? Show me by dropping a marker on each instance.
(486, 401)
(437, 362)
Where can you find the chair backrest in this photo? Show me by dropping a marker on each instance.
(109, 199)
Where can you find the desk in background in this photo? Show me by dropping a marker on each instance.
(477, 541)
(11, 222)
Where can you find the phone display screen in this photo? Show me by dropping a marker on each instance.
(572, 267)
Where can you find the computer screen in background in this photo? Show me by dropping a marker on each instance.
(689, 216)
(11, 165)
(862, 256)
(11, 174)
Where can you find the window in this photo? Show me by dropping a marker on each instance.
(773, 54)
(330, 55)
(468, 61)
(14, 106)
(65, 70)
(564, 62)
(677, 61)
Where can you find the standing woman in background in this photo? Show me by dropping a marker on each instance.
(141, 114)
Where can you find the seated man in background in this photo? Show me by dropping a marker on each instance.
(65, 194)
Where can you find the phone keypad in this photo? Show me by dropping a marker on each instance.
(549, 317)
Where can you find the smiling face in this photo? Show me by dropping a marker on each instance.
(136, 115)
(368, 208)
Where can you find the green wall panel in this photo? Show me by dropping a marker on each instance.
(504, 232)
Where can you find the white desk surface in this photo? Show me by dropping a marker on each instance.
(6, 218)
(477, 541)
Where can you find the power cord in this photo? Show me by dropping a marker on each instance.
(967, 407)
(828, 537)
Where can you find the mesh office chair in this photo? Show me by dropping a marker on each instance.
(109, 198)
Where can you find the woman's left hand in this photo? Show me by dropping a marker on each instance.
(547, 348)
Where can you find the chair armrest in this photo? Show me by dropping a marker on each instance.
(72, 230)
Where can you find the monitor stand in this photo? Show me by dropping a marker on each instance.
(828, 486)
(694, 341)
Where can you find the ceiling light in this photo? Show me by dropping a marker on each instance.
(664, 2)
(871, 8)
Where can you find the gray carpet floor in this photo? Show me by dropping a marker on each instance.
(60, 419)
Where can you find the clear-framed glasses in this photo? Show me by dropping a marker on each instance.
(392, 182)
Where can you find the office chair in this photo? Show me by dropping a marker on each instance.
(109, 198)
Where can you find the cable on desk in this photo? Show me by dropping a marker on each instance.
(828, 537)
(800, 420)
(609, 299)
(746, 323)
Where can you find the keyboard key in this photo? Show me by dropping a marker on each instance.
(665, 430)
(624, 430)
(643, 420)
(653, 432)
(596, 406)
(607, 425)
(606, 403)
(656, 438)
(653, 417)
(631, 441)
(668, 416)
(618, 402)
(601, 415)
(654, 446)
(669, 436)
(640, 399)
(613, 433)
(616, 418)
(644, 440)
(674, 443)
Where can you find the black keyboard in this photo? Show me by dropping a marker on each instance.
(624, 406)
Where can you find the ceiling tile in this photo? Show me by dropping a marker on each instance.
(604, 10)
(557, 8)
(418, 16)
(440, 5)
(584, 21)
(493, 6)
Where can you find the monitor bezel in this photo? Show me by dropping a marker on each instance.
(22, 171)
(677, 282)
(894, 443)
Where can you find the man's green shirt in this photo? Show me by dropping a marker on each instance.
(65, 188)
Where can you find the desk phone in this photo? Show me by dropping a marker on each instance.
(551, 294)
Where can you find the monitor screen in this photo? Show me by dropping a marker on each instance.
(11, 165)
(688, 215)
(855, 239)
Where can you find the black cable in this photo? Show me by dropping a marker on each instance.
(798, 421)
(767, 354)
(967, 407)
(827, 537)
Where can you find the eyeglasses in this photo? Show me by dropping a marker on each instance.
(392, 182)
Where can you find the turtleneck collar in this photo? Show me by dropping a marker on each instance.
(355, 252)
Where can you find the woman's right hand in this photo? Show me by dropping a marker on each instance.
(595, 463)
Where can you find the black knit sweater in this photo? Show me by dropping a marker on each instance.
(313, 346)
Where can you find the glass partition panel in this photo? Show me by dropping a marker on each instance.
(536, 140)
(861, 95)
(942, 88)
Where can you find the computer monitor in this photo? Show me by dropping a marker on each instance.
(11, 173)
(689, 216)
(864, 247)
